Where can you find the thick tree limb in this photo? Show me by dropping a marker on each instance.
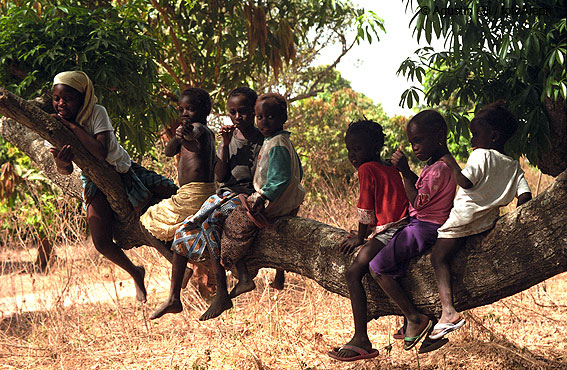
(526, 247)
(554, 160)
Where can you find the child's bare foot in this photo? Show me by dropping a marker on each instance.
(139, 283)
(279, 280)
(242, 286)
(218, 306)
(186, 277)
(170, 306)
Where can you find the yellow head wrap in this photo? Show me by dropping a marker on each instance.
(82, 83)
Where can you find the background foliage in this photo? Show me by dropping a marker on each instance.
(512, 50)
(37, 42)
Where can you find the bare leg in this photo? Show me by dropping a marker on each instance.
(222, 301)
(358, 301)
(164, 248)
(99, 215)
(245, 282)
(441, 254)
(173, 303)
(416, 321)
(279, 280)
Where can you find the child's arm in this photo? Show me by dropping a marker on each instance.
(63, 159)
(222, 171)
(410, 178)
(174, 145)
(96, 145)
(460, 179)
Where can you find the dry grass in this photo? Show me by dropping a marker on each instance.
(82, 314)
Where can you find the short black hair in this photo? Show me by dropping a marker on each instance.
(431, 120)
(200, 97)
(247, 92)
(499, 118)
(370, 129)
(279, 103)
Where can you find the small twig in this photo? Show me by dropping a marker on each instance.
(509, 309)
(538, 183)
(536, 363)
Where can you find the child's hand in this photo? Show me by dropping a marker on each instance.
(349, 245)
(400, 161)
(63, 157)
(448, 158)
(259, 206)
(186, 131)
(69, 124)
(226, 134)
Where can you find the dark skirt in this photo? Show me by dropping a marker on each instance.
(413, 240)
(140, 185)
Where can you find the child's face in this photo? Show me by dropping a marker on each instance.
(241, 113)
(360, 149)
(424, 143)
(66, 101)
(482, 135)
(190, 111)
(268, 120)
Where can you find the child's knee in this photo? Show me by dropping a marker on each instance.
(355, 272)
(102, 244)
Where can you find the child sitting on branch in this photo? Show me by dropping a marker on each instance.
(278, 192)
(490, 180)
(75, 103)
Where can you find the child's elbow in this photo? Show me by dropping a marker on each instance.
(467, 184)
(524, 198)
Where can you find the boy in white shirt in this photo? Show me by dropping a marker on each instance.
(489, 181)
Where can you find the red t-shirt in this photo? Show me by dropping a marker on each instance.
(382, 195)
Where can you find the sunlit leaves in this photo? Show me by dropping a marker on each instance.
(511, 50)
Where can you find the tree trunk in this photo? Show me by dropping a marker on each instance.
(554, 160)
(526, 247)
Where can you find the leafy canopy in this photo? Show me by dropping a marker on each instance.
(512, 50)
(141, 53)
(38, 42)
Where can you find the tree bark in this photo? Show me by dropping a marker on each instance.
(526, 246)
(553, 161)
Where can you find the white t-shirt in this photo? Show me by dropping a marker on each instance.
(496, 180)
(100, 122)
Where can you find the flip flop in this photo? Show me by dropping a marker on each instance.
(429, 344)
(362, 353)
(258, 219)
(410, 342)
(446, 328)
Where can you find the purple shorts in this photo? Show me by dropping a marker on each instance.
(410, 241)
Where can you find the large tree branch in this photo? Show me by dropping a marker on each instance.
(526, 247)
(33, 146)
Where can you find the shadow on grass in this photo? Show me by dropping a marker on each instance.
(21, 267)
(22, 325)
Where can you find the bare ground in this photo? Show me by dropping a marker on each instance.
(82, 314)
